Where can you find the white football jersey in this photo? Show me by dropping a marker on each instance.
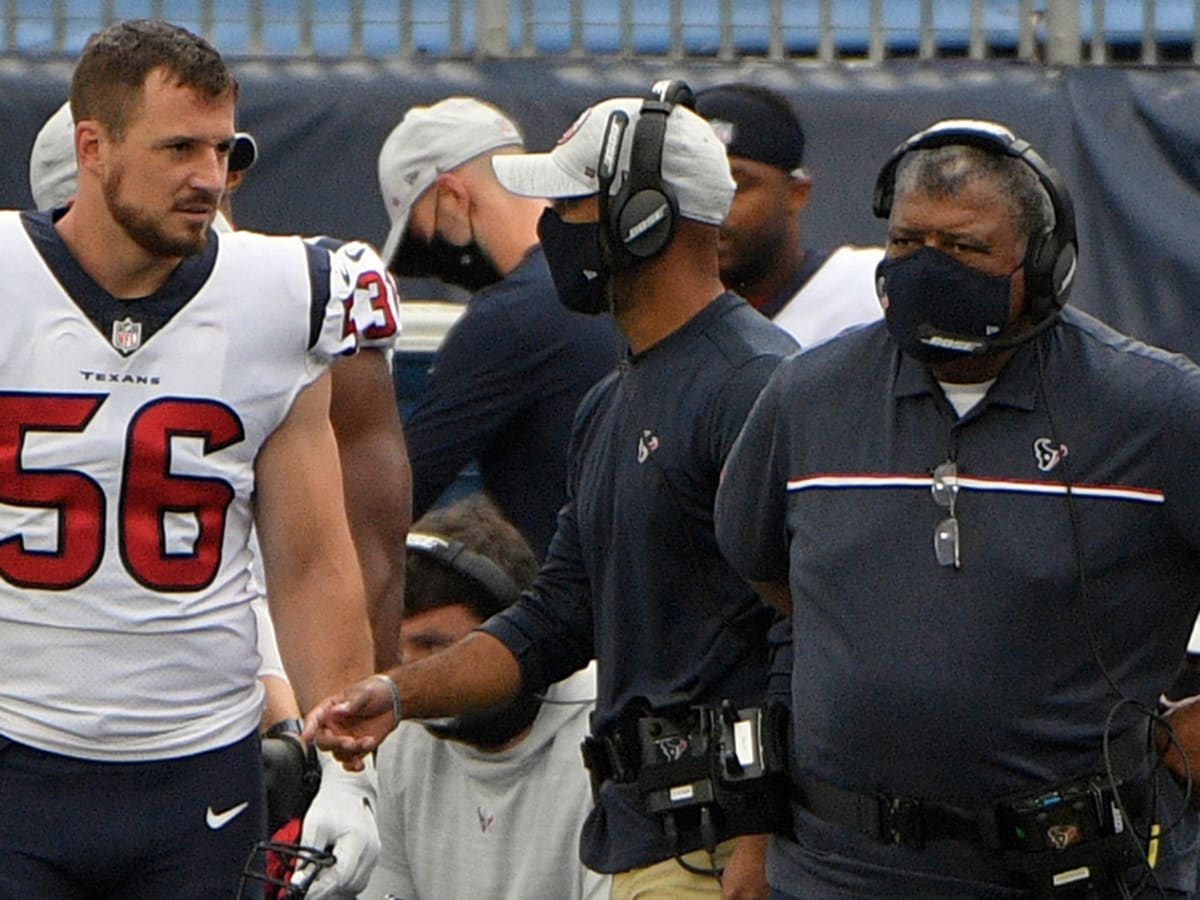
(128, 435)
(370, 304)
(838, 295)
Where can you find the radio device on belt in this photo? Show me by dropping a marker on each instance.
(702, 771)
(1064, 840)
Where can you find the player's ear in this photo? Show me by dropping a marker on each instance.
(799, 189)
(233, 180)
(89, 140)
(454, 197)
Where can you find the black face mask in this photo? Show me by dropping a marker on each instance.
(937, 309)
(489, 728)
(466, 267)
(573, 255)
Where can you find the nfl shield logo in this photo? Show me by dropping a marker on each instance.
(127, 335)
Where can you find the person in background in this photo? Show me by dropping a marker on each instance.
(509, 374)
(487, 804)
(810, 293)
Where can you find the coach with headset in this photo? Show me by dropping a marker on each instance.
(983, 515)
(633, 576)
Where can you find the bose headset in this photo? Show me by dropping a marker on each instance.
(1050, 256)
(639, 220)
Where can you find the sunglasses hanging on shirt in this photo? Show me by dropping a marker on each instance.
(945, 534)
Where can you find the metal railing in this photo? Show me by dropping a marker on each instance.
(1064, 32)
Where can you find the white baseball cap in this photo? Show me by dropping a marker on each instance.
(54, 172)
(431, 140)
(52, 166)
(694, 163)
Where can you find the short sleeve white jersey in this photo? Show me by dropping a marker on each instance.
(129, 431)
(368, 293)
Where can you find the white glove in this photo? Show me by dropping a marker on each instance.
(341, 819)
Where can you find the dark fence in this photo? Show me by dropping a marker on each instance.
(1127, 140)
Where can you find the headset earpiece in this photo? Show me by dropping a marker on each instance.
(1050, 257)
(640, 218)
(674, 92)
(457, 557)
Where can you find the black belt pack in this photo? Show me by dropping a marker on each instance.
(699, 768)
(1079, 834)
(1057, 841)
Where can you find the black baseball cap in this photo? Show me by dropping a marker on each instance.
(754, 123)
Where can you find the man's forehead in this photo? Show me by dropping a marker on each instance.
(978, 210)
(171, 110)
(163, 87)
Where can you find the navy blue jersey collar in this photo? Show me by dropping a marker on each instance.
(101, 307)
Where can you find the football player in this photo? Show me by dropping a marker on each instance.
(376, 483)
(161, 390)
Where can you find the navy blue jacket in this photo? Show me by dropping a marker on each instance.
(503, 390)
(634, 576)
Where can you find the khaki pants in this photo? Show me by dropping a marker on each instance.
(668, 880)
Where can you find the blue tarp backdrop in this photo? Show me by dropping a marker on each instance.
(1127, 141)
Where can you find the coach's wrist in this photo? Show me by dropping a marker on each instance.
(394, 693)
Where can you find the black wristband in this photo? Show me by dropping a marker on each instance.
(283, 727)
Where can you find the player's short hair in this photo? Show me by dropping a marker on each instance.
(109, 78)
(945, 171)
(476, 523)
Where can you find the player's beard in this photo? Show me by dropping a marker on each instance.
(146, 231)
(751, 257)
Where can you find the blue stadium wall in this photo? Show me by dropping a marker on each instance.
(1127, 140)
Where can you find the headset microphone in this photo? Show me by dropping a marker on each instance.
(978, 346)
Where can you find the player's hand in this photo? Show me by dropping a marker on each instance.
(342, 819)
(1181, 753)
(352, 724)
(745, 876)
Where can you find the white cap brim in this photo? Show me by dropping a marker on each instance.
(53, 171)
(539, 175)
(394, 236)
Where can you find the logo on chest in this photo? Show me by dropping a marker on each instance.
(1047, 454)
(126, 335)
(486, 819)
(647, 444)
